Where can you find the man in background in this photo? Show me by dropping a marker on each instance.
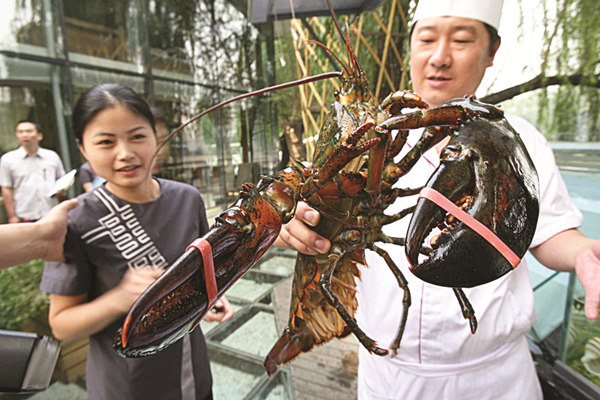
(28, 174)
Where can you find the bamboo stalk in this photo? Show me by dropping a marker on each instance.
(386, 46)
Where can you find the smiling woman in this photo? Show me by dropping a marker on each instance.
(120, 237)
(119, 144)
(115, 131)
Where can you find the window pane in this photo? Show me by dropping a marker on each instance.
(97, 28)
(34, 103)
(21, 23)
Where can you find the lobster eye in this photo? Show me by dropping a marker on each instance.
(450, 151)
(472, 155)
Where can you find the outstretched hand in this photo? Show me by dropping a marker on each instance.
(52, 230)
(297, 234)
(26, 241)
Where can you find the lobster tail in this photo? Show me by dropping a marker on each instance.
(287, 348)
(313, 321)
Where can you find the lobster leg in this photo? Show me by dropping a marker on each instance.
(397, 101)
(388, 219)
(397, 144)
(430, 138)
(343, 218)
(445, 115)
(341, 156)
(440, 122)
(384, 150)
(466, 308)
(332, 298)
(377, 158)
(406, 300)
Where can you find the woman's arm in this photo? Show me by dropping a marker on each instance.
(73, 317)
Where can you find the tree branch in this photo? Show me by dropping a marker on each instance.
(541, 82)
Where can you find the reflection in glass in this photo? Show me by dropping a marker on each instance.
(35, 103)
(183, 56)
(22, 23)
(97, 28)
(583, 342)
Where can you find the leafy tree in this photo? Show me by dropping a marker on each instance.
(569, 80)
(566, 88)
(22, 306)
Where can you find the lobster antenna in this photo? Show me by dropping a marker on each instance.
(337, 25)
(351, 40)
(314, 78)
(350, 52)
(333, 54)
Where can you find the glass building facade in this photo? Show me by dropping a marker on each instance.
(182, 56)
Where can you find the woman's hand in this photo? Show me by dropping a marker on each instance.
(134, 283)
(220, 312)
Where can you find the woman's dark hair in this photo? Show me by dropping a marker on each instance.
(159, 115)
(103, 96)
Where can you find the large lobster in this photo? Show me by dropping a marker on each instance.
(485, 168)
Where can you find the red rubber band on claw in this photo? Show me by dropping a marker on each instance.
(482, 230)
(209, 269)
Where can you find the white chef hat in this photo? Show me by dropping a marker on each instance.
(488, 11)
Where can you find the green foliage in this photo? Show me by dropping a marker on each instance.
(172, 23)
(23, 307)
(207, 128)
(571, 49)
(580, 331)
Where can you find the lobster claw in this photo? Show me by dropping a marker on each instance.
(486, 171)
(175, 303)
(142, 333)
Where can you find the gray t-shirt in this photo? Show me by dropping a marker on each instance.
(106, 236)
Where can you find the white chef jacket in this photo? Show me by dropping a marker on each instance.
(439, 358)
